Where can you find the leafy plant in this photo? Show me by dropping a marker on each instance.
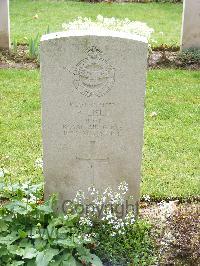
(47, 30)
(33, 47)
(122, 240)
(33, 234)
(134, 247)
(190, 56)
(14, 45)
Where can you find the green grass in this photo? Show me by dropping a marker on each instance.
(20, 123)
(163, 17)
(171, 151)
(171, 155)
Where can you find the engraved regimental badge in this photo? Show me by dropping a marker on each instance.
(93, 76)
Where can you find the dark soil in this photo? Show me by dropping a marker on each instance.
(161, 57)
(19, 59)
(171, 59)
(176, 232)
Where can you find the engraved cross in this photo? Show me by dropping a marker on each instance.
(92, 159)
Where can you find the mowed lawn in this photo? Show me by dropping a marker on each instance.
(165, 18)
(171, 146)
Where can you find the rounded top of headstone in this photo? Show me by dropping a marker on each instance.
(101, 33)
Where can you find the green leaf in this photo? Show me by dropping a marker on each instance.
(45, 209)
(40, 244)
(25, 243)
(3, 226)
(78, 263)
(31, 262)
(8, 218)
(52, 232)
(15, 250)
(43, 258)
(63, 231)
(65, 260)
(16, 263)
(9, 239)
(18, 207)
(3, 251)
(95, 260)
(85, 255)
(66, 243)
(70, 260)
(22, 233)
(30, 253)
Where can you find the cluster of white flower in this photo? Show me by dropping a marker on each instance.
(108, 196)
(80, 197)
(85, 221)
(92, 190)
(39, 163)
(130, 218)
(87, 237)
(3, 172)
(108, 206)
(147, 198)
(118, 225)
(113, 24)
(32, 198)
(123, 187)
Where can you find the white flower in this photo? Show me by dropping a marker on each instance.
(130, 218)
(123, 187)
(39, 163)
(100, 18)
(32, 198)
(85, 221)
(153, 114)
(87, 237)
(147, 198)
(114, 24)
(109, 201)
(80, 196)
(1, 172)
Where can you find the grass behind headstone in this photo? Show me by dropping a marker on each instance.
(31, 17)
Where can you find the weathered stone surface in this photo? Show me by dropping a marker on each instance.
(4, 24)
(93, 88)
(191, 24)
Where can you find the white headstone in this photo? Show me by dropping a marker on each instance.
(191, 24)
(4, 24)
(93, 88)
